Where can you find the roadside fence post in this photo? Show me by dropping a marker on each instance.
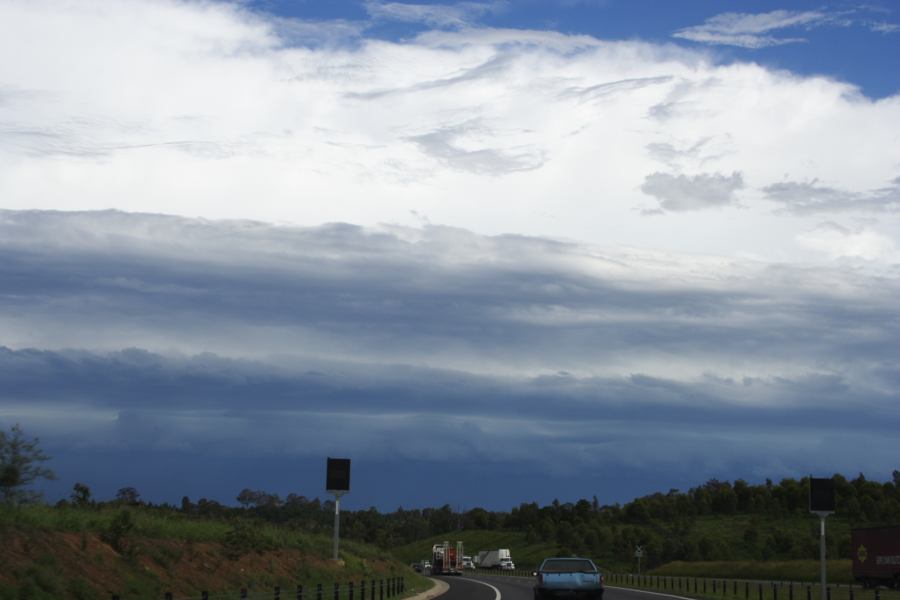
(362, 589)
(774, 591)
(760, 591)
(204, 595)
(318, 591)
(747, 590)
(809, 592)
(791, 591)
(337, 591)
(828, 593)
(168, 596)
(115, 597)
(373, 589)
(277, 594)
(299, 592)
(714, 586)
(877, 594)
(851, 593)
(381, 589)
(350, 591)
(243, 593)
(704, 585)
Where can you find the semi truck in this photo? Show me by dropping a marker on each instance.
(876, 555)
(447, 559)
(495, 559)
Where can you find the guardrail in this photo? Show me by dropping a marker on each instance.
(372, 589)
(746, 589)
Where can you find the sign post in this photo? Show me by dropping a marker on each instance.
(821, 502)
(638, 553)
(337, 482)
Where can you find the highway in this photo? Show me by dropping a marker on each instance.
(482, 587)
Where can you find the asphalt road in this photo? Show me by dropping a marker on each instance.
(482, 587)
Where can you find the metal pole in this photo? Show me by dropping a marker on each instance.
(337, 524)
(822, 555)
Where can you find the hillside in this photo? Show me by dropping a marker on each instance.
(728, 538)
(83, 554)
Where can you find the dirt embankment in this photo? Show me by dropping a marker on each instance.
(82, 566)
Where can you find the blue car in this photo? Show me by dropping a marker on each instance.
(568, 578)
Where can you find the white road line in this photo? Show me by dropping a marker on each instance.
(496, 591)
(612, 587)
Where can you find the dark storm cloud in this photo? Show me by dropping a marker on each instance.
(191, 336)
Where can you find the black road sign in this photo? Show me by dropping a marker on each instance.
(821, 495)
(338, 477)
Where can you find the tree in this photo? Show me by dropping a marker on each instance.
(128, 495)
(81, 494)
(21, 463)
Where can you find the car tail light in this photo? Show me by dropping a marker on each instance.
(601, 578)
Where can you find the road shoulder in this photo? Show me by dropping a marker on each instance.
(439, 588)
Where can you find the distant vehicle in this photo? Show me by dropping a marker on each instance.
(447, 559)
(467, 562)
(417, 567)
(493, 559)
(578, 577)
(507, 564)
(876, 556)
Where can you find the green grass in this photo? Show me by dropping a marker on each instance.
(703, 588)
(839, 571)
(43, 581)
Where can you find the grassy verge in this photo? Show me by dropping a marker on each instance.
(141, 553)
(733, 589)
(839, 571)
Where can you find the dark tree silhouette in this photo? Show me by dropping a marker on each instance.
(21, 463)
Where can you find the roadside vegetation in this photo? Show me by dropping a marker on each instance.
(717, 529)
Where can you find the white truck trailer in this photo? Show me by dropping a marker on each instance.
(495, 559)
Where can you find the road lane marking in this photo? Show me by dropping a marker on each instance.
(612, 587)
(496, 591)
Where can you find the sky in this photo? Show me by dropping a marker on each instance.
(493, 252)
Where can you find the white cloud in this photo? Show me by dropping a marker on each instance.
(838, 241)
(682, 192)
(749, 30)
(205, 109)
(811, 197)
(434, 15)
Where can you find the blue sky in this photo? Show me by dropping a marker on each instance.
(856, 42)
(494, 252)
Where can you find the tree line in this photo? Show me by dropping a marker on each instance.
(664, 523)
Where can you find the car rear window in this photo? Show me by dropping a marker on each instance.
(567, 565)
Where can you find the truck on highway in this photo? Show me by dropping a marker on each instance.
(876, 555)
(447, 559)
(495, 559)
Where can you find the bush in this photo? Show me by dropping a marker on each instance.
(244, 538)
(118, 531)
